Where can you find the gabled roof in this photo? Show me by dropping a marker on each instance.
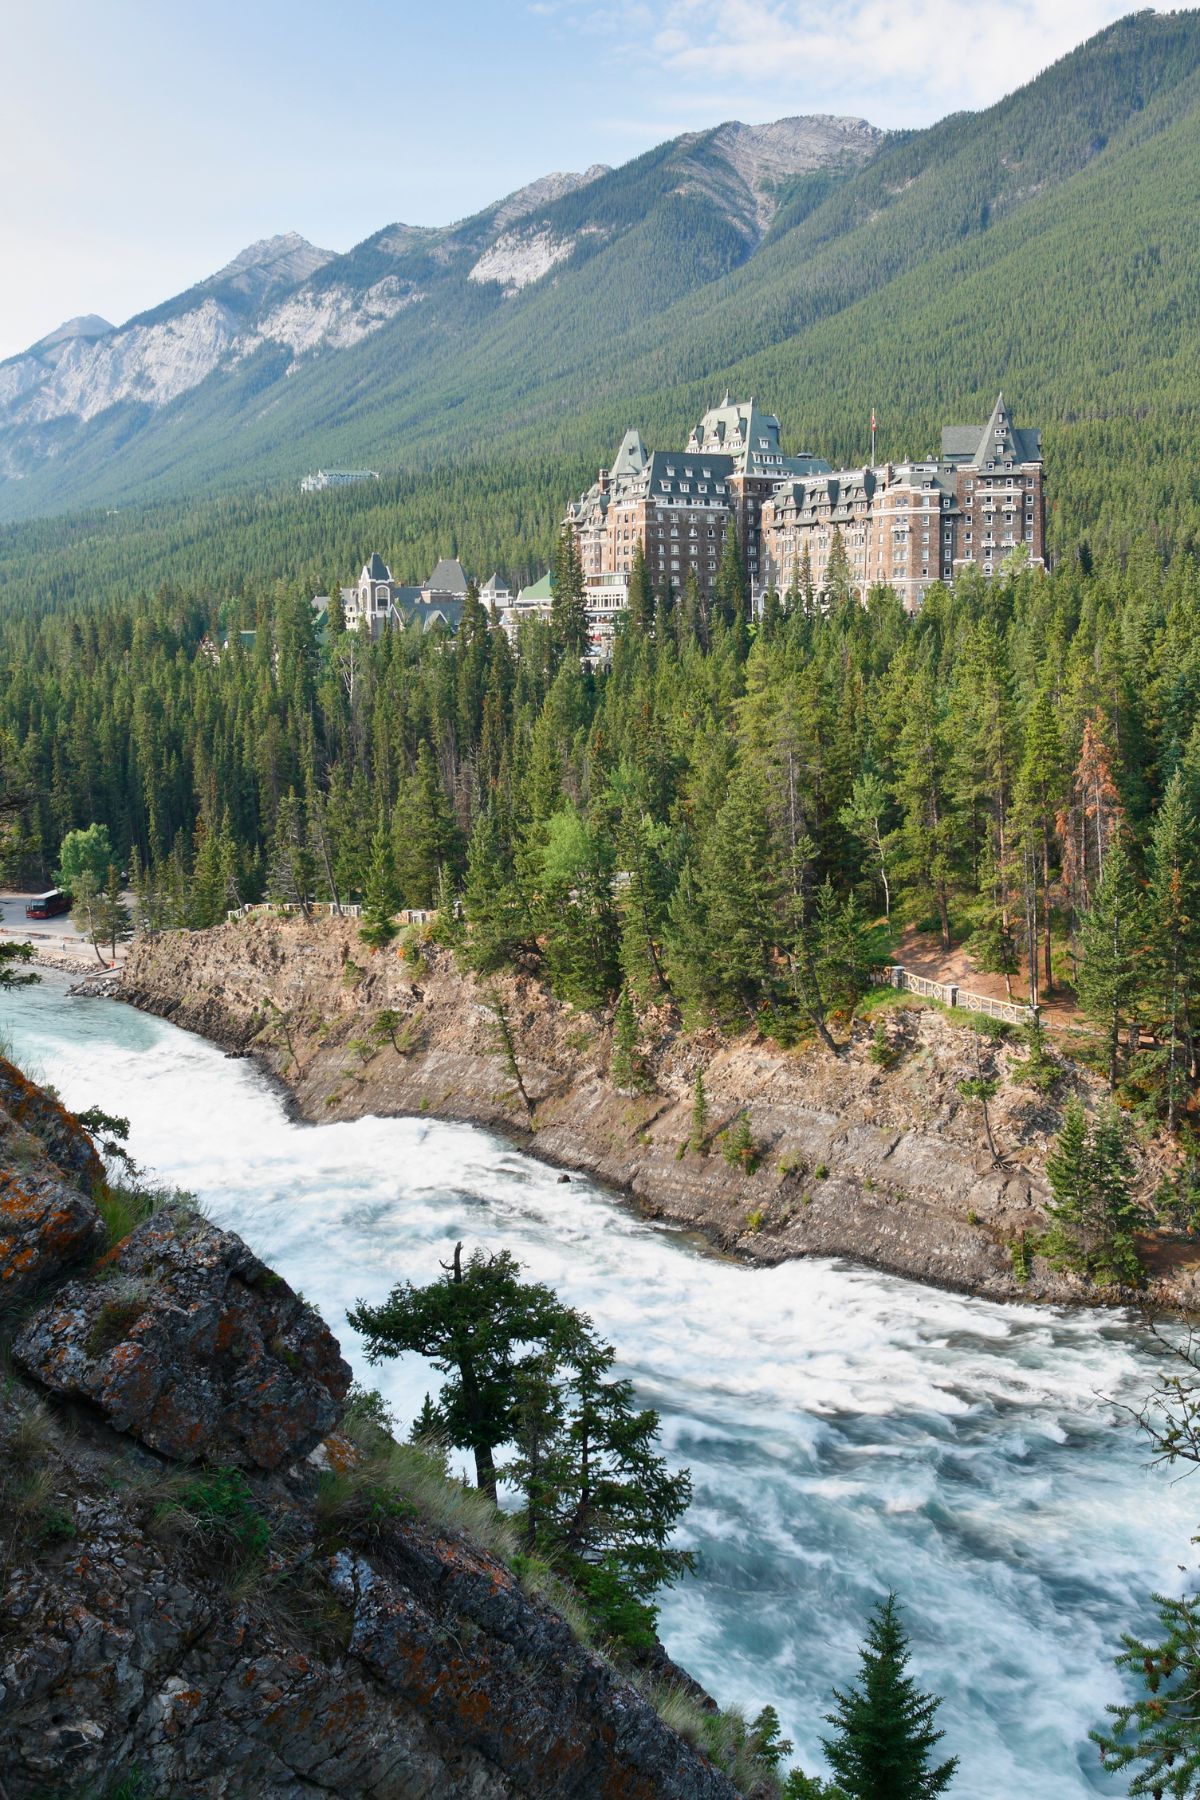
(541, 589)
(999, 441)
(375, 569)
(631, 457)
(448, 578)
(446, 609)
(493, 585)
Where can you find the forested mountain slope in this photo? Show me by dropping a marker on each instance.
(152, 399)
(1048, 245)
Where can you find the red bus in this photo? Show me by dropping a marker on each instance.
(49, 905)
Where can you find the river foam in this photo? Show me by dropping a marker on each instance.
(847, 1431)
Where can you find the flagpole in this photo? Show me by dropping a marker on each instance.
(872, 437)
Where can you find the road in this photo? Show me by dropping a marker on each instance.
(56, 935)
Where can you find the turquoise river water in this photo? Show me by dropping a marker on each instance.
(847, 1431)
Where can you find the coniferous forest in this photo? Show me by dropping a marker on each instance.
(738, 816)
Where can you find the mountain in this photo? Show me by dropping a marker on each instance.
(1049, 245)
(281, 304)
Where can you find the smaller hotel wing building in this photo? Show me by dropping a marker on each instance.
(907, 525)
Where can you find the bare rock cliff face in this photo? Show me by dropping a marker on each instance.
(178, 1600)
(882, 1162)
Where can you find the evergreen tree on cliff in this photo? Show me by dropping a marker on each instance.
(884, 1735)
(381, 897)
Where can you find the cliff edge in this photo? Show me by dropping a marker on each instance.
(872, 1154)
(219, 1579)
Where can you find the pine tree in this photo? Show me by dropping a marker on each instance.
(1156, 1735)
(731, 593)
(863, 816)
(1094, 1211)
(426, 834)
(698, 1141)
(840, 585)
(738, 895)
(1111, 938)
(1038, 803)
(381, 897)
(293, 873)
(625, 1064)
(112, 914)
(804, 582)
(639, 612)
(1173, 926)
(568, 617)
(884, 1732)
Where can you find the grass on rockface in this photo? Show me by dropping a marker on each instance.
(125, 1206)
(748, 1751)
(389, 1480)
(31, 1515)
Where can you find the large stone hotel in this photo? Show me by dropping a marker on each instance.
(904, 525)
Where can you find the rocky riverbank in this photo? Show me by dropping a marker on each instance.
(870, 1154)
(216, 1579)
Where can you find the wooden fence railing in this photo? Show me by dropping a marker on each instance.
(1013, 1012)
(322, 909)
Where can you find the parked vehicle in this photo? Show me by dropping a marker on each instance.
(48, 905)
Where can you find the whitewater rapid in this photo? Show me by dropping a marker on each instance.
(847, 1431)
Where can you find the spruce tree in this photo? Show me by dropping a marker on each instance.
(381, 897)
(1111, 941)
(568, 618)
(426, 833)
(884, 1736)
(639, 611)
(1173, 927)
(698, 1141)
(625, 1064)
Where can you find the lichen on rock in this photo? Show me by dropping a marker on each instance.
(194, 1347)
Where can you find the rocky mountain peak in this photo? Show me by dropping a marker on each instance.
(544, 190)
(764, 156)
(85, 328)
(273, 262)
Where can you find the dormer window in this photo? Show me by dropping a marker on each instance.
(684, 487)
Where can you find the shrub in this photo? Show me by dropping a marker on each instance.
(754, 1219)
(749, 1752)
(792, 1164)
(221, 1503)
(116, 1318)
(738, 1146)
(821, 1171)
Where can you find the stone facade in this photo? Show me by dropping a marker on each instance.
(678, 504)
(905, 524)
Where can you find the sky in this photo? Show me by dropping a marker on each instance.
(143, 143)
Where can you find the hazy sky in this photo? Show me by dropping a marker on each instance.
(143, 143)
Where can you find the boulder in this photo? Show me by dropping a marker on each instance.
(189, 1343)
(46, 1228)
(26, 1108)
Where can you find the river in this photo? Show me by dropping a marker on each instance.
(847, 1431)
